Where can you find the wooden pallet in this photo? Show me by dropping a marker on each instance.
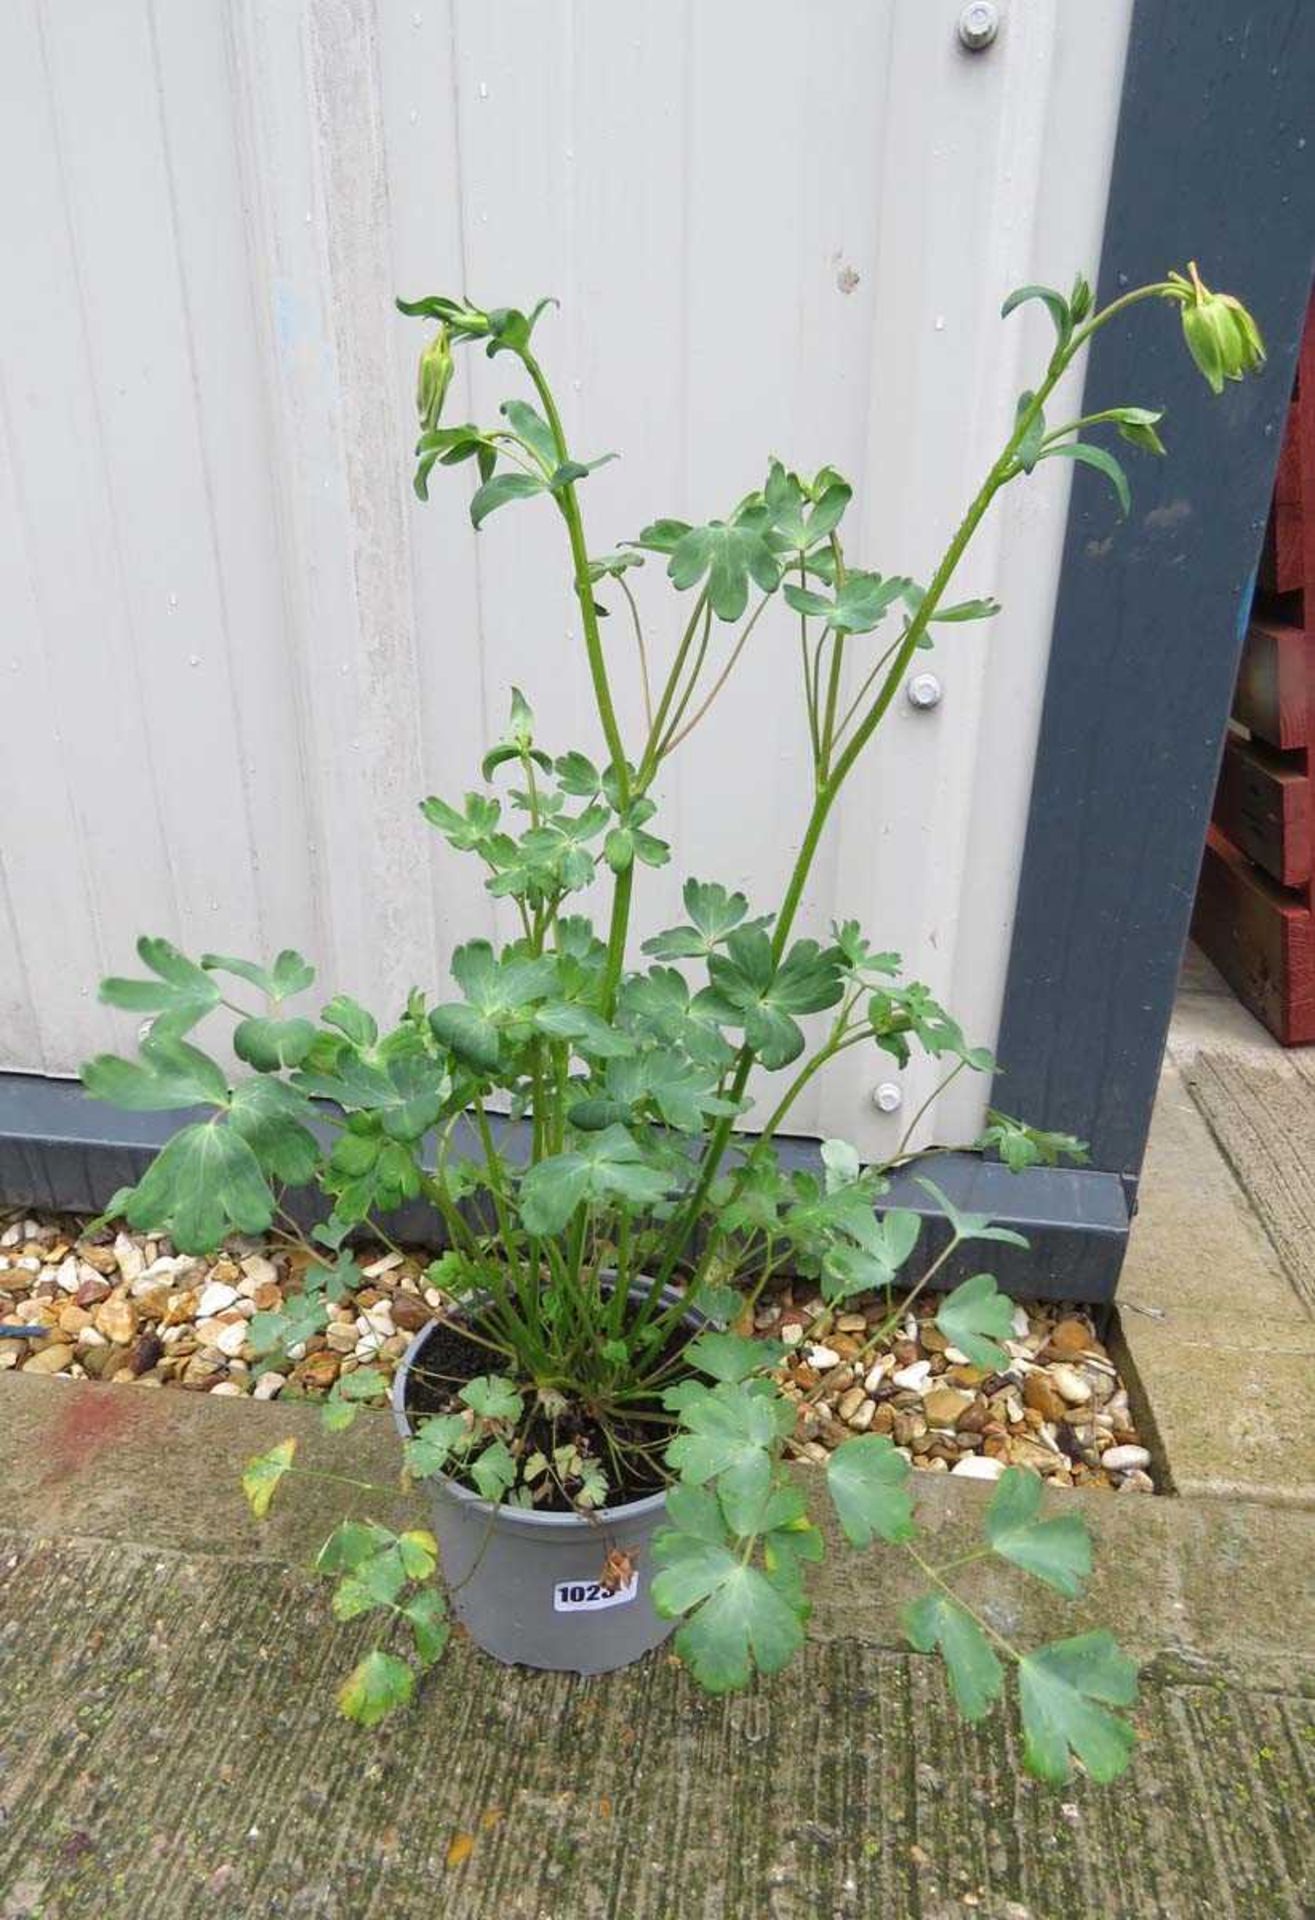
(1255, 905)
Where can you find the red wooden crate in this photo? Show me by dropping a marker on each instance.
(1261, 937)
(1255, 903)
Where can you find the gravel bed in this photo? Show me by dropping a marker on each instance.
(125, 1309)
(1059, 1408)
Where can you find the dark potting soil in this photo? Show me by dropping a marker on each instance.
(448, 1360)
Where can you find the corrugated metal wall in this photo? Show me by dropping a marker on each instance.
(235, 651)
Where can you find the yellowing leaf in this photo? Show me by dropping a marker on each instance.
(371, 1690)
(261, 1476)
(460, 1848)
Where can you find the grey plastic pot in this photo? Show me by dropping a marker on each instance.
(528, 1586)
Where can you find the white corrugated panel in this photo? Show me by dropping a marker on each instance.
(236, 651)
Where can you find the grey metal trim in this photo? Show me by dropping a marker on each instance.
(64, 1152)
(1212, 162)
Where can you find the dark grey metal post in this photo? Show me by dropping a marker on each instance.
(1215, 160)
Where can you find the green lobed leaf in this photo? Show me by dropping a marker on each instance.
(606, 1166)
(351, 1019)
(725, 1429)
(1056, 1550)
(430, 1450)
(493, 1471)
(1021, 1146)
(373, 1689)
(969, 1226)
(729, 556)
(269, 1044)
(745, 1623)
(426, 1613)
(976, 1675)
(868, 1483)
(350, 1543)
(1065, 1690)
(181, 994)
(297, 1320)
(272, 1117)
(714, 914)
(975, 1317)
(492, 1396)
(732, 1356)
(740, 1619)
(204, 1184)
(175, 1075)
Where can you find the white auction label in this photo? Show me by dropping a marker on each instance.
(588, 1596)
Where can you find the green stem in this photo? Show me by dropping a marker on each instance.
(934, 1095)
(570, 507)
(835, 666)
(674, 738)
(929, 1572)
(643, 651)
(622, 890)
(687, 692)
(648, 762)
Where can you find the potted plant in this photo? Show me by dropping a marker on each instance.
(607, 1442)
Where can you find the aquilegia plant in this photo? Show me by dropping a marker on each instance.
(629, 1201)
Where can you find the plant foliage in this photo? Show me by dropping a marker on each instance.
(630, 1078)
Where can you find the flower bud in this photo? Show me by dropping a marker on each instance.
(1221, 335)
(435, 377)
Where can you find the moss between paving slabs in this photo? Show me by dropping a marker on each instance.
(170, 1749)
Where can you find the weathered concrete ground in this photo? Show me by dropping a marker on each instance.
(169, 1745)
(170, 1748)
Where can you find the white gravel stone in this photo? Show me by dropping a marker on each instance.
(1125, 1459)
(978, 1466)
(260, 1271)
(229, 1389)
(912, 1378)
(883, 1365)
(1070, 1386)
(132, 1262)
(216, 1297)
(792, 1333)
(268, 1386)
(231, 1338)
(1022, 1325)
(66, 1276)
(11, 1235)
(823, 1358)
(383, 1265)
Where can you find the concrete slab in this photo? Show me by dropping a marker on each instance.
(1263, 1117)
(1218, 1341)
(1150, 1553)
(170, 1749)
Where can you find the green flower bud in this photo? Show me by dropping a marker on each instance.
(1221, 335)
(435, 378)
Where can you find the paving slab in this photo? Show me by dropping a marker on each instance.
(88, 1463)
(1263, 1116)
(1219, 1343)
(169, 1749)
